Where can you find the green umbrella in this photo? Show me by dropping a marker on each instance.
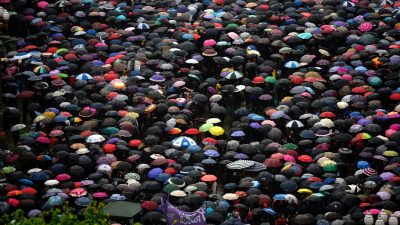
(170, 188)
(321, 140)
(205, 127)
(110, 130)
(122, 209)
(8, 169)
(290, 146)
(269, 79)
(61, 50)
(331, 167)
(26, 135)
(62, 75)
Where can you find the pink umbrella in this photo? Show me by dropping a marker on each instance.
(100, 195)
(43, 140)
(365, 27)
(56, 133)
(78, 192)
(63, 177)
(372, 211)
(209, 42)
(289, 158)
(42, 4)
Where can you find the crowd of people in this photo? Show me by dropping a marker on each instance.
(265, 111)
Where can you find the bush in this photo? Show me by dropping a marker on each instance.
(92, 215)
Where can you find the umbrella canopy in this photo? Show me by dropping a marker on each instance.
(122, 209)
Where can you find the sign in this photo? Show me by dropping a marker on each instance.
(174, 216)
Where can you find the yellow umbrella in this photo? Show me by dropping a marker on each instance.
(132, 115)
(304, 191)
(119, 85)
(216, 130)
(49, 114)
(390, 153)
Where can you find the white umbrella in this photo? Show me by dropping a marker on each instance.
(95, 138)
(18, 127)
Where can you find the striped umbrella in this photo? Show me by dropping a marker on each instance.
(292, 64)
(84, 76)
(240, 164)
(234, 75)
(183, 142)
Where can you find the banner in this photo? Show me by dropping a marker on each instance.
(174, 216)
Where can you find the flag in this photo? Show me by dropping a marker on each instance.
(174, 216)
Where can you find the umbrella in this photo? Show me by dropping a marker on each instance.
(294, 124)
(292, 64)
(216, 131)
(17, 127)
(183, 142)
(240, 164)
(123, 209)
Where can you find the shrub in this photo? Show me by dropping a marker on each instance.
(92, 215)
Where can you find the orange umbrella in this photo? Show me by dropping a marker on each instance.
(208, 178)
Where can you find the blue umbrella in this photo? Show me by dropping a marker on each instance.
(26, 182)
(211, 153)
(183, 142)
(55, 200)
(305, 36)
(292, 64)
(256, 117)
(193, 148)
(143, 26)
(60, 119)
(279, 197)
(209, 161)
(39, 176)
(154, 172)
(288, 186)
(188, 36)
(270, 211)
(84, 76)
(56, 29)
(162, 177)
(82, 201)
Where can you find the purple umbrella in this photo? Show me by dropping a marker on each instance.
(112, 141)
(238, 133)
(387, 175)
(255, 125)
(277, 115)
(364, 122)
(241, 156)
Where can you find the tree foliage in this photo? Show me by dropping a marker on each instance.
(92, 215)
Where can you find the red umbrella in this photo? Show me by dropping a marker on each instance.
(201, 194)
(210, 141)
(109, 148)
(395, 96)
(272, 162)
(149, 205)
(29, 190)
(359, 90)
(135, 143)
(305, 159)
(327, 115)
(25, 94)
(208, 178)
(192, 131)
